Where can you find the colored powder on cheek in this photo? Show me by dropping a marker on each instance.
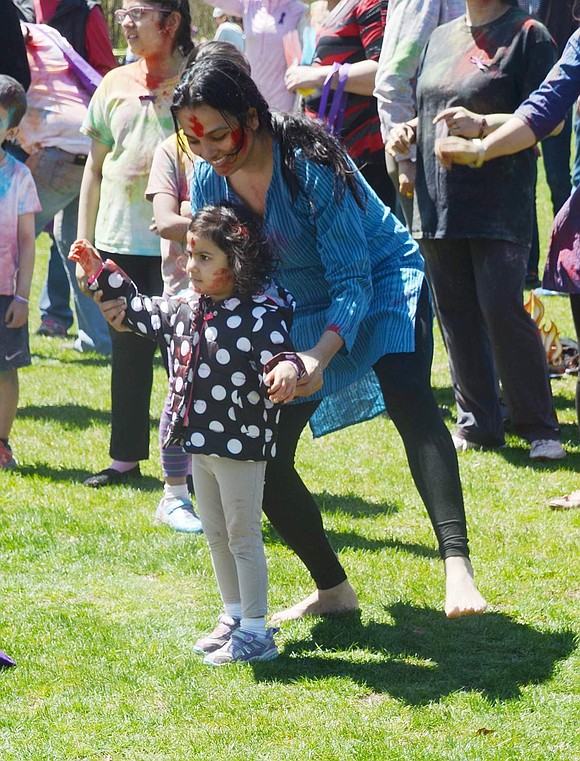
(196, 126)
(222, 277)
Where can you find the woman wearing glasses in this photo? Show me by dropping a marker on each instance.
(129, 115)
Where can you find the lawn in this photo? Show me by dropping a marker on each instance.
(100, 607)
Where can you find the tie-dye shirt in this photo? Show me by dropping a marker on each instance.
(56, 103)
(129, 113)
(17, 196)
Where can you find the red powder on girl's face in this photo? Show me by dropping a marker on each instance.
(196, 126)
(221, 278)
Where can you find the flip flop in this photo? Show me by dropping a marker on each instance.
(567, 502)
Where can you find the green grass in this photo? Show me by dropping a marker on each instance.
(100, 608)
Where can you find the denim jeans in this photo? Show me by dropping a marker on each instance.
(58, 179)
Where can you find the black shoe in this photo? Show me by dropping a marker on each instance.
(110, 476)
(532, 280)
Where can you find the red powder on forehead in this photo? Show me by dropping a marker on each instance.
(196, 126)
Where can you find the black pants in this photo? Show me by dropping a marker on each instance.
(477, 285)
(575, 306)
(406, 387)
(132, 368)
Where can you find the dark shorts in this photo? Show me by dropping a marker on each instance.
(14, 348)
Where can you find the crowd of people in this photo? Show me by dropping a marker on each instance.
(310, 218)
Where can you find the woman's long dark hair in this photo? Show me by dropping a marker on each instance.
(239, 234)
(222, 84)
(183, 39)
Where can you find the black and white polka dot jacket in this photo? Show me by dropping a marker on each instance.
(217, 351)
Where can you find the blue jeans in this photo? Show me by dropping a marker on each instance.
(58, 176)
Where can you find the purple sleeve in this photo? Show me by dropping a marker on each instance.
(547, 106)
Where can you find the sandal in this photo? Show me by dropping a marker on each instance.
(567, 502)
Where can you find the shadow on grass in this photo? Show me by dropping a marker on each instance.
(76, 475)
(71, 415)
(68, 356)
(491, 654)
(341, 540)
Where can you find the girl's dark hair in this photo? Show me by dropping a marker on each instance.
(217, 49)
(13, 99)
(183, 39)
(221, 83)
(240, 236)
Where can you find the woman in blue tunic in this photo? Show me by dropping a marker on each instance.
(362, 305)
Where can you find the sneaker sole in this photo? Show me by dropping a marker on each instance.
(264, 657)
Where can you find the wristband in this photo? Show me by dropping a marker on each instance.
(286, 356)
(479, 161)
(92, 278)
(20, 299)
(482, 128)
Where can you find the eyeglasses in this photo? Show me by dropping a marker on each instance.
(136, 13)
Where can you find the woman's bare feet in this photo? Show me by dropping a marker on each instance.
(339, 599)
(462, 598)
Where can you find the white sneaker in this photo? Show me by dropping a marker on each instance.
(462, 445)
(178, 514)
(547, 449)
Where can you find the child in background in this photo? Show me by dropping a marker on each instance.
(18, 203)
(232, 362)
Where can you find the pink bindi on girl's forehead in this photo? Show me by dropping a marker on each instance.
(196, 126)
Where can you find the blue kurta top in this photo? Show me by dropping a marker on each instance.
(352, 270)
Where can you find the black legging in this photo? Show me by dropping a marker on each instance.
(406, 386)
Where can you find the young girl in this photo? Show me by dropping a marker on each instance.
(232, 362)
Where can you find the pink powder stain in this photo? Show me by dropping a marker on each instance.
(223, 276)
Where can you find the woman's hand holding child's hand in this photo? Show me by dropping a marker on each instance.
(281, 382)
(461, 122)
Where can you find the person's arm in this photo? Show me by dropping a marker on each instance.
(98, 42)
(513, 136)
(361, 77)
(89, 198)
(17, 312)
(409, 24)
(169, 222)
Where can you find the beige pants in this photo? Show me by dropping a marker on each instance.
(229, 499)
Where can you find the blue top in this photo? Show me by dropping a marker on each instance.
(547, 106)
(354, 271)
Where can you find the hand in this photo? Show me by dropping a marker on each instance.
(302, 78)
(113, 311)
(153, 226)
(185, 209)
(407, 172)
(460, 121)
(84, 253)
(401, 138)
(16, 314)
(313, 380)
(282, 382)
(455, 150)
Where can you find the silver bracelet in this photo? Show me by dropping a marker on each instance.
(479, 161)
(20, 299)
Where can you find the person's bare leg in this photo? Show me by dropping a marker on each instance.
(462, 598)
(339, 599)
(8, 401)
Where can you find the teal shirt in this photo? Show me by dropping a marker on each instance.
(352, 270)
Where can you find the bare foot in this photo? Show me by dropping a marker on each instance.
(339, 599)
(462, 598)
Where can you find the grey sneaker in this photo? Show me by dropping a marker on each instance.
(245, 647)
(220, 636)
